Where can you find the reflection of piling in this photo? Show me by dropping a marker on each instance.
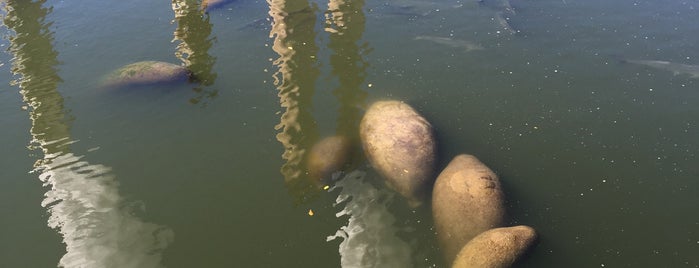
(82, 199)
(345, 22)
(35, 60)
(192, 32)
(294, 42)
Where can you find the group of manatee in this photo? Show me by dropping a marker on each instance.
(467, 200)
(468, 204)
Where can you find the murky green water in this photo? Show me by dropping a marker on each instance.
(594, 139)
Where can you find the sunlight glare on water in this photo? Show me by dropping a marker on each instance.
(370, 238)
(99, 230)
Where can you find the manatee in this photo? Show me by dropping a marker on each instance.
(400, 144)
(147, 73)
(496, 248)
(467, 200)
(208, 5)
(328, 156)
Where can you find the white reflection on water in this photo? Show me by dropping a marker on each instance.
(98, 230)
(369, 238)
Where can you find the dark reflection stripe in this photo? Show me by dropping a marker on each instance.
(98, 227)
(193, 34)
(345, 22)
(294, 42)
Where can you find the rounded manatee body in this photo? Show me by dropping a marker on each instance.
(467, 200)
(400, 144)
(328, 156)
(496, 248)
(146, 73)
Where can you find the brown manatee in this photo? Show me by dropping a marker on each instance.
(146, 73)
(328, 156)
(400, 144)
(496, 248)
(467, 200)
(208, 5)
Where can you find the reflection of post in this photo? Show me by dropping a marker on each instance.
(83, 201)
(294, 41)
(38, 79)
(192, 32)
(345, 23)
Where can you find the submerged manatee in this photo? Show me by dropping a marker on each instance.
(208, 5)
(400, 144)
(328, 156)
(467, 200)
(448, 41)
(676, 68)
(496, 248)
(146, 73)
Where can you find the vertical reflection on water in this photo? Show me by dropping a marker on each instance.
(98, 229)
(192, 32)
(369, 239)
(345, 22)
(294, 41)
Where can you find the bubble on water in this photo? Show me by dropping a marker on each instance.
(369, 239)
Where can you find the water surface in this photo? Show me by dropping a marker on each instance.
(596, 153)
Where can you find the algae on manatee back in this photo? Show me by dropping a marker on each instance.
(467, 200)
(499, 247)
(400, 144)
(146, 73)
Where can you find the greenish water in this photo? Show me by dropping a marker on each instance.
(597, 153)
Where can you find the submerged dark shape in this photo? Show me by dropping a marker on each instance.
(504, 21)
(676, 68)
(328, 156)
(451, 42)
(147, 73)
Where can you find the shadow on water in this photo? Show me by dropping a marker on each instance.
(98, 227)
(192, 33)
